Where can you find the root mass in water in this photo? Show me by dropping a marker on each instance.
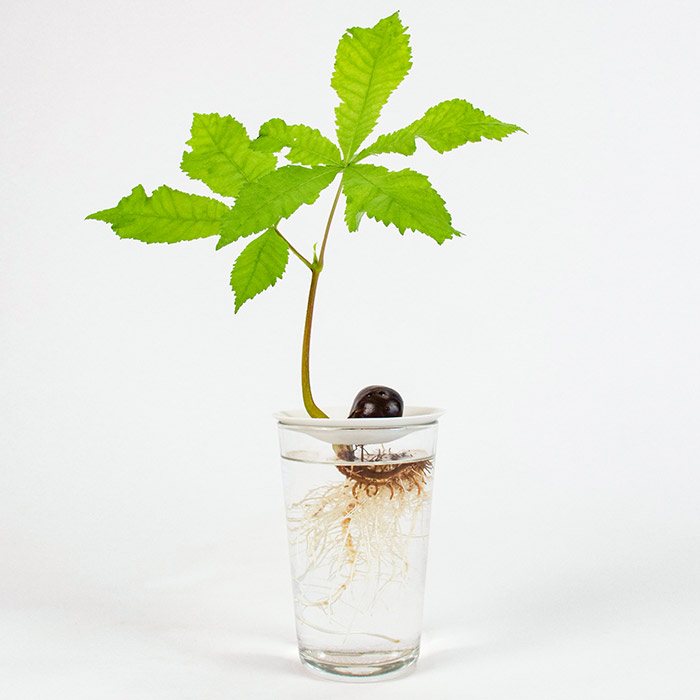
(362, 526)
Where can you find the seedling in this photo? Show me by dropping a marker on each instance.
(355, 525)
(370, 63)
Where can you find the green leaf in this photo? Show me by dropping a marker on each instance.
(402, 141)
(167, 216)
(308, 146)
(443, 127)
(405, 199)
(221, 156)
(369, 66)
(261, 263)
(277, 195)
(455, 122)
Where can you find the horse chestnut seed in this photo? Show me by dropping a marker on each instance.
(377, 401)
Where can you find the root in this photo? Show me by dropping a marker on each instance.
(359, 529)
(372, 477)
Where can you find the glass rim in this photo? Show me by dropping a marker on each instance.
(413, 416)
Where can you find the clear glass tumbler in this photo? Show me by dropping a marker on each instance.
(357, 495)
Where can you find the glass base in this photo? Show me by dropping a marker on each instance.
(359, 666)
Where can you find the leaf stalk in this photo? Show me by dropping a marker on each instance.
(306, 262)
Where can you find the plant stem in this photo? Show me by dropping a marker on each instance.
(294, 250)
(309, 404)
(328, 225)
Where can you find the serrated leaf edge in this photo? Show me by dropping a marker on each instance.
(237, 304)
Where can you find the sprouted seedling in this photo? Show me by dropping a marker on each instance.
(351, 521)
(370, 63)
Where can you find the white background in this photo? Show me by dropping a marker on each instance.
(142, 536)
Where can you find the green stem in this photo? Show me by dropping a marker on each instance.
(328, 225)
(309, 404)
(294, 250)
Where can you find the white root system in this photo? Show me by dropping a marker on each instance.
(353, 534)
